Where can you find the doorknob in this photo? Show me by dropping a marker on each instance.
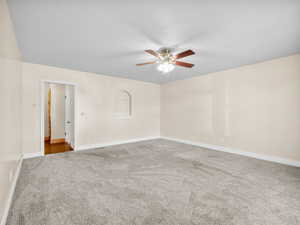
(68, 122)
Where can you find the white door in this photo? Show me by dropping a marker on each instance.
(69, 115)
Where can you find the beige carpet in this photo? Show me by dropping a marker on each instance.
(155, 182)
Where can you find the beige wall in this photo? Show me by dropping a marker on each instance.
(46, 125)
(96, 121)
(253, 108)
(10, 101)
(57, 111)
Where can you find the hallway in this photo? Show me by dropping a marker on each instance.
(57, 148)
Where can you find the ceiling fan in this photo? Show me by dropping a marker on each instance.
(167, 60)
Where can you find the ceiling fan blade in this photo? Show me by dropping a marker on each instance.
(142, 64)
(184, 64)
(184, 54)
(151, 52)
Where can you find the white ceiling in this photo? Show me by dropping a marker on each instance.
(108, 37)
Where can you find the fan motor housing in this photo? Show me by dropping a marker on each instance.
(166, 55)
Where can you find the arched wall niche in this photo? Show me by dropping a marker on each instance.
(122, 104)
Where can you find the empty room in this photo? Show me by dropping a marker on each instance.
(149, 112)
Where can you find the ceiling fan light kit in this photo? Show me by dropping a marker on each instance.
(167, 60)
(165, 67)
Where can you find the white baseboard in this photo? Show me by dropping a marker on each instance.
(239, 152)
(202, 145)
(11, 192)
(32, 155)
(91, 146)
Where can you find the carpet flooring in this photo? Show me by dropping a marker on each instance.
(156, 182)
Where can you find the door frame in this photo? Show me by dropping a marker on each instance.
(42, 111)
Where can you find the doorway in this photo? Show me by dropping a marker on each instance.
(58, 122)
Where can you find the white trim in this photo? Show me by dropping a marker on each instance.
(198, 144)
(11, 192)
(91, 146)
(237, 151)
(32, 155)
(42, 111)
(59, 82)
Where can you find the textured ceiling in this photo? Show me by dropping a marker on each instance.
(108, 37)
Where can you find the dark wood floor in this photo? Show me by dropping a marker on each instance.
(56, 148)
